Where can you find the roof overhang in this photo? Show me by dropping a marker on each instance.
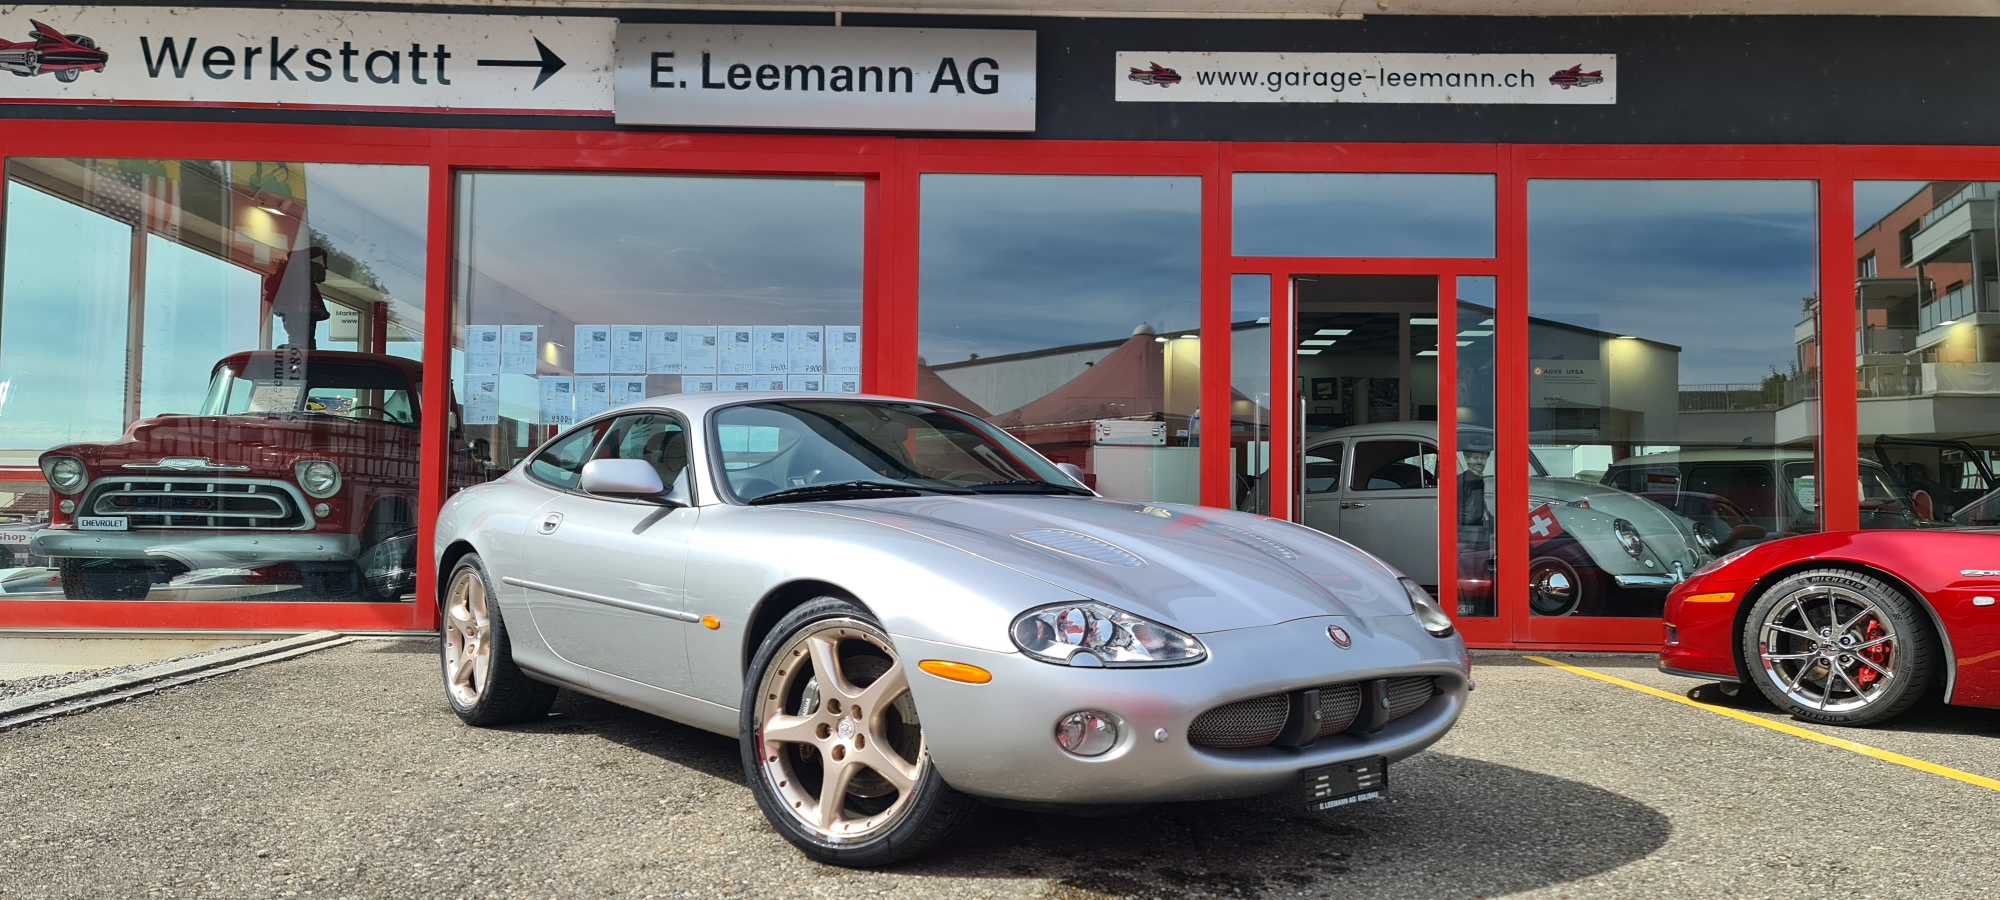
(1293, 9)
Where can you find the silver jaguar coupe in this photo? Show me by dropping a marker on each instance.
(897, 608)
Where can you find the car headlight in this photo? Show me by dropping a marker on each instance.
(1429, 614)
(1093, 634)
(319, 477)
(1628, 537)
(65, 474)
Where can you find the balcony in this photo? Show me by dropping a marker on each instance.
(1959, 303)
(1947, 227)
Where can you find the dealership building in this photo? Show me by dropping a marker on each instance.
(1548, 303)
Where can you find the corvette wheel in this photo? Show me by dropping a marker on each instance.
(832, 744)
(481, 681)
(1838, 647)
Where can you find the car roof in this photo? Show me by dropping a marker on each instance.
(698, 405)
(1377, 429)
(1725, 454)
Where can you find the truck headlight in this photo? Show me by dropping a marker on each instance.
(319, 477)
(65, 474)
(1628, 538)
(1428, 613)
(1093, 634)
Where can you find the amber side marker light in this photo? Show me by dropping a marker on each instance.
(1724, 597)
(710, 622)
(952, 671)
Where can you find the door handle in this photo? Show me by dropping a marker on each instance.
(551, 522)
(1349, 504)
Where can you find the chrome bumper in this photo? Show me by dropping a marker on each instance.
(1659, 582)
(196, 550)
(997, 739)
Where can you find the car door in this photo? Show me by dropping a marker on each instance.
(1322, 487)
(1389, 506)
(610, 572)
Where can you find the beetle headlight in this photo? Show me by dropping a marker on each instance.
(1428, 613)
(1093, 634)
(1628, 537)
(319, 477)
(65, 474)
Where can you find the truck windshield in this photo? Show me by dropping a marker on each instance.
(265, 386)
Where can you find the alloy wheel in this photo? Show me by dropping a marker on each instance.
(1829, 648)
(468, 639)
(838, 740)
(1554, 587)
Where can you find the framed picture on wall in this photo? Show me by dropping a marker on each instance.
(1323, 388)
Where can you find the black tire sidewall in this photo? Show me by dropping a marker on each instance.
(909, 837)
(1912, 664)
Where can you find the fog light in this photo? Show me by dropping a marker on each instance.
(1086, 733)
(67, 506)
(322, 510)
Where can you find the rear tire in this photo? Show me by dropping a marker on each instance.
(837, 761)
(481, 682)
(105, 579)
(1839, 647)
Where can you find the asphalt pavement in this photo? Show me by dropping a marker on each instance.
(343, 774)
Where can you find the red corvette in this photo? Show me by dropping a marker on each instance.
(66, 56)
(1847, 628)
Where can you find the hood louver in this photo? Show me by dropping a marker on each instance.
(1081, 545)
(1255, 540)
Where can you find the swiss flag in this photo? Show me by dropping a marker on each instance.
(1542, 526)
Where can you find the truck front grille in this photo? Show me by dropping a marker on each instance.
(234, 504)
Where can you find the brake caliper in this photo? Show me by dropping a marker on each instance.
(1878, 654)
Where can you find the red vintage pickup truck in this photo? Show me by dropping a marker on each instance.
(301, 467)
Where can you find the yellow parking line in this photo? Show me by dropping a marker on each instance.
(1793, 730)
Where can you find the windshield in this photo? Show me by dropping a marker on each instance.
(269, 385)
(765, 448)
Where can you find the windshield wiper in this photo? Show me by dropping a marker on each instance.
(1028, 486)
(848, 489)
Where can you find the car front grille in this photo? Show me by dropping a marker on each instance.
(234, 504)
(1259, 721)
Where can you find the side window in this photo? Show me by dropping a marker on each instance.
(656, 438)
(561, 465)
(1323, 468)
(1750, 488)
(1393, 465)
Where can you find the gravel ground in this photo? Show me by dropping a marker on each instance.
(20, 686)
(342, 774)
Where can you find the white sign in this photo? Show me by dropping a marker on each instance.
(340, 59)
(843, 349)
(1473, 78)
(593, 396)
(808, 355)
(591, 355)
(517, 349)
(482, 400)
(628, 349)
(943, 79)
(482, 349)
(663, 349)
(738, 350)
(558, 401)
(627, 390)
(774, 349)
(698, 350)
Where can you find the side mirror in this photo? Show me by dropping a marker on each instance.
(1073, 470)
(627, 478)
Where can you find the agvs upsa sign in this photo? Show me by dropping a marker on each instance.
(815, 77)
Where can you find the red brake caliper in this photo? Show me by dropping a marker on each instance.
(1878, 654)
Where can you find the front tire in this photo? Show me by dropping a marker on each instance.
(832, 745)
(1839, 648)
(481, 681)
(105, 579)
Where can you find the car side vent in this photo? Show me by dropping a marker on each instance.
(1255, 540)
(1081, 545)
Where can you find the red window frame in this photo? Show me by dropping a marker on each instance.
(893, 168)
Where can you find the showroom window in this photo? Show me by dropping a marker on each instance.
(1927, 351)
(1672, 414)
(253, 331)
(577, 293)
(1067, 309)
(1363, 215)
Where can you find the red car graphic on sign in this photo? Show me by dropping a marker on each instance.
(1575, 76)
(67, 56)
(1156, 74)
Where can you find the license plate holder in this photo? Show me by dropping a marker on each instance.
(102, 523)
(1341, 784)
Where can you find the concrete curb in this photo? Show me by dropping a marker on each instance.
(111, 689)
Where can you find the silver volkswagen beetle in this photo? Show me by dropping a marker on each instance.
(897, 607)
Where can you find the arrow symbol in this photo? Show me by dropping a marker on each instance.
(550, 63)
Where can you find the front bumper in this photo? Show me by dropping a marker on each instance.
(997, 740)
(196, 550)
(1700, 639)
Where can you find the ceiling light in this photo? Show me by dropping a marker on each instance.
(1336, 332)
(1261, 320)
(272, 210)
(1486, 332)
(1312, 352)
(1160, 340)
(1487, 322)
(1424, 320)
(1427, 353)
(1628, 337)
(1323, 342)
